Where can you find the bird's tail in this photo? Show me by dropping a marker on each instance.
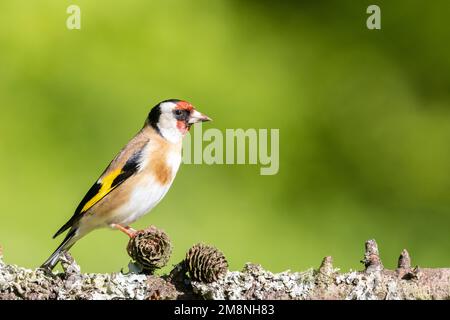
(68, 242)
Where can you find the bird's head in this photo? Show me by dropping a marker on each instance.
(173, 118)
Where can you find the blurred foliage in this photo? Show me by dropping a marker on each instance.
(364, 124)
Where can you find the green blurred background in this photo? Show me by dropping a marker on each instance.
(364, 119)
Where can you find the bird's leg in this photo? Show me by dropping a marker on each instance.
(127, 229)
(130, 229)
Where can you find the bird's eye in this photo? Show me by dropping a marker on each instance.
(178, 112)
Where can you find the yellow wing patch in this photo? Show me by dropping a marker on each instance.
(106, 188)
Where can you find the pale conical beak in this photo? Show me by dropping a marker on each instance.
(198, 117)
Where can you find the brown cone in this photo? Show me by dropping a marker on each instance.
(150, 247)
(205, 263)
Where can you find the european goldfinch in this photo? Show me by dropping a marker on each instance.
(136, 179)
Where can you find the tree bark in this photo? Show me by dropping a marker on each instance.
(253, 282)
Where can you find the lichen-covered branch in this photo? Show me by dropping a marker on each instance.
(253, 282)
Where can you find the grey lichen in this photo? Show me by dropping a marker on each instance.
(253, 282)
(362, 286)
(35, 284)
(27, 284)
(256, 283)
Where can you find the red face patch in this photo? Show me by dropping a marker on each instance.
(181, 125)
(184, 105)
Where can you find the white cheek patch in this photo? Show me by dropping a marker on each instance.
(167, 123)
(168, 127)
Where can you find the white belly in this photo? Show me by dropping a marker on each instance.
(143, 198)
(146, 195)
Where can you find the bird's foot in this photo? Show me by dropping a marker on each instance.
(127, 229)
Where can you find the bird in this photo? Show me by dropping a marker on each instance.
(136, 180)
